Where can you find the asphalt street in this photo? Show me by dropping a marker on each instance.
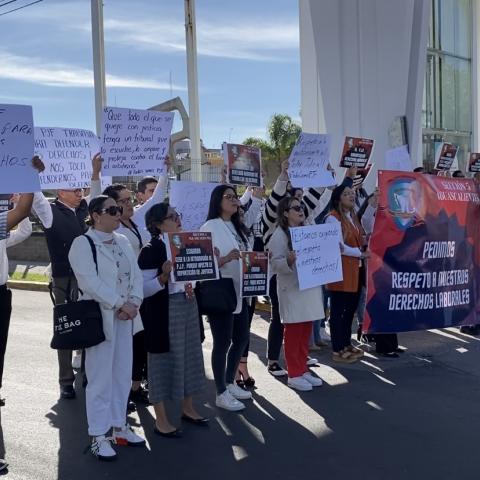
(412, 418)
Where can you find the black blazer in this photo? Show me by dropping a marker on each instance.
(154, 310)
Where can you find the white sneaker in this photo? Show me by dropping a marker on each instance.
(299, 383)
(77, 360)
(311, 361)
(228, 402)
(101, 447)
(315, 381)
(126, 436)
(238, 393)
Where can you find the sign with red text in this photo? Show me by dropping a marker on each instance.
(255, 274)
(425, 255)
(192, 256)
(474, 162)
(446, 156)
(356, 152)
(244, 164)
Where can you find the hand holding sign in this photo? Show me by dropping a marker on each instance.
(308, 163)
(16, 150)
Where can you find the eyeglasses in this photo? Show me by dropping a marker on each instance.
(230, 196)
(297, 208)
(112, 211)
(174, 216)
(124, 201)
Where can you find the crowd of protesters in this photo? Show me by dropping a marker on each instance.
(105, 248)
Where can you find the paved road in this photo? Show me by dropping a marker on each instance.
(414, 418)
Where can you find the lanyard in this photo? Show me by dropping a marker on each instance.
(135, 231)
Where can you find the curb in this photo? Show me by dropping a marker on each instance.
(24, 285)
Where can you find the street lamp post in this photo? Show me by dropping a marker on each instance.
(193, 103)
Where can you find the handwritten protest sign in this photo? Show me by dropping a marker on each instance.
(192, 256)
(191, 200)
(318, 254)
(356, 152)
(398, 159)
(309, 160)
(446, 156)
(16, 150)
(474, 162)
(243, 164)
(135, 142)
(67, 155)
(254, 274)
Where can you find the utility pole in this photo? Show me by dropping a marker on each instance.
(98, 61)
(193, 103)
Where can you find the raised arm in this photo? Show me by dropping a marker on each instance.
(96, 183)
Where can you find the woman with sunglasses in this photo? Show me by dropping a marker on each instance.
(230, 331)
(298, 308)
(171, 320)
(132, 231)
(115, 282)
(345, 295)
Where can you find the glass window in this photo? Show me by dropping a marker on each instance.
(447, 109)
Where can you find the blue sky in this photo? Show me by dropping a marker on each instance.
(248, 61)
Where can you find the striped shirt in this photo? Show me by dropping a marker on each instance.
(3, 225)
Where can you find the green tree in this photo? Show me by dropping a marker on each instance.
(282, 135)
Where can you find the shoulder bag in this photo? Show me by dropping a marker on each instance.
(77, 325)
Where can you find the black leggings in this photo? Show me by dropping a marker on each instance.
(139, 364)
(275, 329)
(251, 312)
(230, 336)
(5, 312)
(342, 309)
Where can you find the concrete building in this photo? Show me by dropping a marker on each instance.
(367, 65)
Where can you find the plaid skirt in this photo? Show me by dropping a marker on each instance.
(180, 372)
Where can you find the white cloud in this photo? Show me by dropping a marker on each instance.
(34, 70)
(242, 40)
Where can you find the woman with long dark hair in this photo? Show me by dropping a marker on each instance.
(298, 308)
(170, 317)
(345, 295)
(230, 332)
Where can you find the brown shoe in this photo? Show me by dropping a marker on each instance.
(343, 357)
(356, 352)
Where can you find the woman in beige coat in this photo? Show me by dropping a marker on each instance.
(298, 308)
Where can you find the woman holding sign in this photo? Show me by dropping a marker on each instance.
(170, 317)
(230, 331)
(345, 295)
(298, 308)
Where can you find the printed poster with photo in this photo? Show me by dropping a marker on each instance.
(192, 256)
(244, 164)
(5, 202)
(361, 176)
(446, 156)
(356, 152)
(474, 162)
(255, 270)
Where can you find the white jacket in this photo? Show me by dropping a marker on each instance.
(102, 286)
(225, 241)
(295, 305)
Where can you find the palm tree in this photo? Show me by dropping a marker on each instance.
(282, 135)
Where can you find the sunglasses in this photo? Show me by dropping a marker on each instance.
(230, 196)
(174, 216)
(297, 208)
(112, 211)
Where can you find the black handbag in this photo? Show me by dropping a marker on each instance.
(216, 297)
(77, 325)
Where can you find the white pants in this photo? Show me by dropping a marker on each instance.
(109, 373)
